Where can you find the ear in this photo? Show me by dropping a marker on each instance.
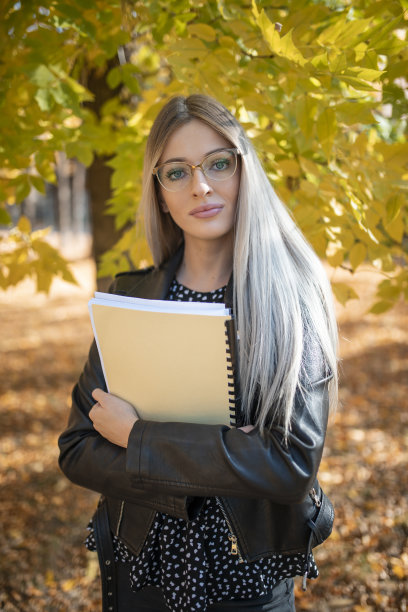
(163, 206)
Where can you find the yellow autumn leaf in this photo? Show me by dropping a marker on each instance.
(289, 167)
(394, 205)
(357, 254)
(24, 225)
(380, 307)
(50, 578)
(396, 228)
(326, 125)
(289, 50)
(399, 571)
(68, 585)
(284, 47)
(335, 255)
(344, 293)
(203, 31)
(309, 166)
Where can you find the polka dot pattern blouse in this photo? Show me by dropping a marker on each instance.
(192, 562)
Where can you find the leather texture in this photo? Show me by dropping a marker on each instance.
(106, 558)
(263, 483)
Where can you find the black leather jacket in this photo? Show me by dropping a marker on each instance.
(269, 491)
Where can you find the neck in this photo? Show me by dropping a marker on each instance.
(205, 266)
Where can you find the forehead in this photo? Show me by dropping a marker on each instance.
(192, 141)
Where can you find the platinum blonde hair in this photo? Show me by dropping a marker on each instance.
(282, 297)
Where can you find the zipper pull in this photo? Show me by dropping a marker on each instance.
(315, 498)
(234, 545)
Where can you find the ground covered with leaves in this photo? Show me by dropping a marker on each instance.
(43, 564)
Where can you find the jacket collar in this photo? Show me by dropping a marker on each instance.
(154, 284)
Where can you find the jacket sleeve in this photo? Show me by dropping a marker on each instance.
(91, 461)
(209, 460)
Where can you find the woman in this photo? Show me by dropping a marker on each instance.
(197, 517)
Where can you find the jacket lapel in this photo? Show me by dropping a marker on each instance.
(155, 284)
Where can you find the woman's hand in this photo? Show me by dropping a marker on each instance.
(112, 417)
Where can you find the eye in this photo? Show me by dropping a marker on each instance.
(175, 174)
(220, 163)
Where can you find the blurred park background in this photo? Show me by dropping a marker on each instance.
(321, 87)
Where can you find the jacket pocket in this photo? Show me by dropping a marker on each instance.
(320, 527)
(322, 523)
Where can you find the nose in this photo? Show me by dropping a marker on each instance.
(199, 183)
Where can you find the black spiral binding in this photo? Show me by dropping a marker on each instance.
(233, 386)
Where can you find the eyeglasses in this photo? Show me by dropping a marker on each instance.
(217, 166)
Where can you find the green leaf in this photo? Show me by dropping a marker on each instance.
(44, 99)
(81, 150)
(38, 183)
(45, 166)
(114, 77)
(43, 77)
(5, 218)
(23, 188)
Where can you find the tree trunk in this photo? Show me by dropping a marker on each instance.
(104, 233)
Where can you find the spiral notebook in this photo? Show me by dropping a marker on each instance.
(171, 360)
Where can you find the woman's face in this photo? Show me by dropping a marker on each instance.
(204, 208)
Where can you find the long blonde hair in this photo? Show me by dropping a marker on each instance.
(281, 292)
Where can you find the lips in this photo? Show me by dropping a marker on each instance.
(207, 210)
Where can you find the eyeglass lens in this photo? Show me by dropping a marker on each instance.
(218, 166)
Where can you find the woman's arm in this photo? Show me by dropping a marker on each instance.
(207, 460)
(166, 463)
(114, 417)
(91, 461)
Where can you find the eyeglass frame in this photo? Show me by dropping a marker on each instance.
(234, 150)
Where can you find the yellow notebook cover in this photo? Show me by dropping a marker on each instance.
(170, 366)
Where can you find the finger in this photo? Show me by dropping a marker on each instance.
(98, 394)
(92, 411)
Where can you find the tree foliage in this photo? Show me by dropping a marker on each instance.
(320, 85)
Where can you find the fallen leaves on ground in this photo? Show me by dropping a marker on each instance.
(44, 566)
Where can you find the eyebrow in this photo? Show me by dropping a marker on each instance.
(184, 159)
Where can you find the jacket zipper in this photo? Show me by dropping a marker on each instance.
(122, 505)
(231, 536)
(315, 498)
